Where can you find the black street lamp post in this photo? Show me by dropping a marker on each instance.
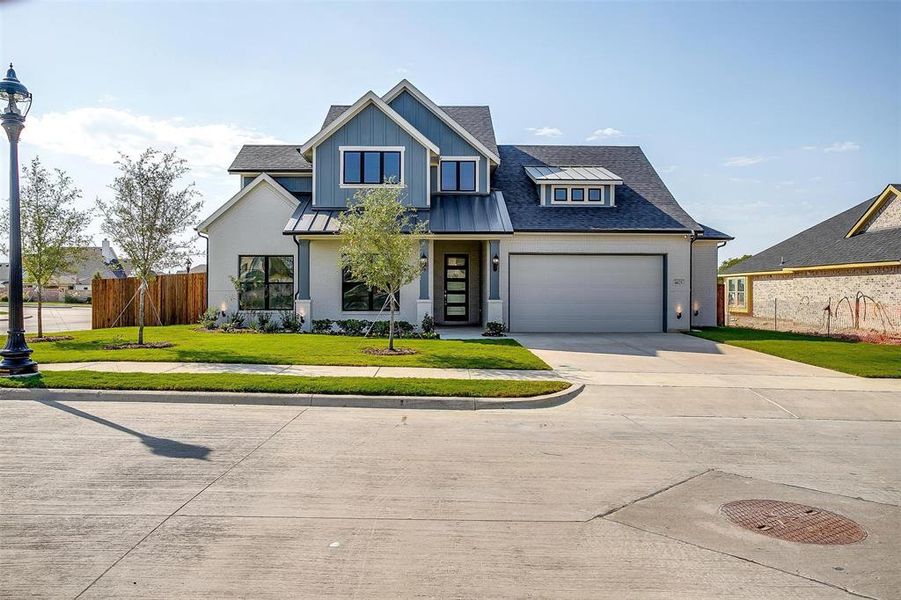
(15, 101)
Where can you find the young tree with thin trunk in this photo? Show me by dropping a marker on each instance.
(149, 214)
(53, 238)
(381, 244)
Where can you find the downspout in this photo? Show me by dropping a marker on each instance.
(207, 278)
(691, 291)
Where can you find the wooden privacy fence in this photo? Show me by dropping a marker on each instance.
(177, 299)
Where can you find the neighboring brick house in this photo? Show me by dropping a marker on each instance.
(839, 275)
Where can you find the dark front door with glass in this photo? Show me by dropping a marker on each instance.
(456, 287)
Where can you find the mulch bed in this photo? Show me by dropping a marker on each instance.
(387, 352)
(134, 346)
(51, 338)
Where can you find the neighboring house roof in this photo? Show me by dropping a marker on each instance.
(273, 158)
(643, 202)
(571, 174)
(474, 119)
(826, 244)
(368, 99)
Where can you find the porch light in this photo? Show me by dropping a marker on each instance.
(696, 310)
(423, 261)
(495, 262)
(678, 311)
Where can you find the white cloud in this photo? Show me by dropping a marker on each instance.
(545, 131)
(607, 132)
(842, 147)
(744, 161)
(99, 134)
(810, 148)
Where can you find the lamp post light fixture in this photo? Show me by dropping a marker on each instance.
(15, 102)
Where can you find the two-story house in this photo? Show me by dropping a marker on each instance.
(542, 238)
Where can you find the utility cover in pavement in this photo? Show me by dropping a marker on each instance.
(793, 522)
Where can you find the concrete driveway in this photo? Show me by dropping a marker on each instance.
(616, 494)
(73, 317)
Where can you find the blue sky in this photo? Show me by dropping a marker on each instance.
(762, 118)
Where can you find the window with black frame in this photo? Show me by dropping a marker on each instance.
(266, 282)
(364, 167)
(356, 296)
(458, 175)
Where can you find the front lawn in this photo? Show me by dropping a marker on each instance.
(192, 345)
(286, 384)
(855, 358)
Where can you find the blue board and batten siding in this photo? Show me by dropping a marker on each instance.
(440, 133)
(292, 184)
(371, 127)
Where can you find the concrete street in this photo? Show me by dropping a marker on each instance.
(73, 317)
(613, 495)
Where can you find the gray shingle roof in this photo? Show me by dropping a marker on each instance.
(710, 233)
(826, 244)
(474, 119)
(272, 158)
(643, 203)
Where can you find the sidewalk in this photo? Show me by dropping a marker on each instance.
(302, 370)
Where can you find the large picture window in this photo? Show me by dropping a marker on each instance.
(363, 166)
(736, 293)
(266, 282)
(458, 175)
(355, 296)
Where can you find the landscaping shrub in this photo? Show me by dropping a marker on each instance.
(209, 320)
(494, 329)
(428, 324)
(265, 322)
(353, 326)
(233, 321)
(292, 322)
(322, 326)
(73, 299)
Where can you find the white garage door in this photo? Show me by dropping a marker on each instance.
(586, 293)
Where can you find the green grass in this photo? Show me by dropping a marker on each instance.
(855, 358)
(286, 384)
(192, 345)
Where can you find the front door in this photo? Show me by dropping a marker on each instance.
(456, 287)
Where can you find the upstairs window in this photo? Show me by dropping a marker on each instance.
(371, 166)
(458, 174)
(266, 282)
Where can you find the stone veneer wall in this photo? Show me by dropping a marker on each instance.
(800, 299)
(887, 217)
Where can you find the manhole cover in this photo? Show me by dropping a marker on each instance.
(793, 522)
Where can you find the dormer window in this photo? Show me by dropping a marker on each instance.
(593, 196)
(459, 174)
(369, 166)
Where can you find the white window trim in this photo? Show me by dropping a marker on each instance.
(474, 159)
(586, 202)
(343, 149)
(744, 293)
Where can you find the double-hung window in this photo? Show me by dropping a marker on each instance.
(371, 166)
(458, 174)
(266, 282)
(356, 296)
(736, 293)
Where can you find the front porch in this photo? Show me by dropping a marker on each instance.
(460, 286)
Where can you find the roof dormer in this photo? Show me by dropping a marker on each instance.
(575, 185)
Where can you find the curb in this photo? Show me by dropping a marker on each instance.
(321, 400)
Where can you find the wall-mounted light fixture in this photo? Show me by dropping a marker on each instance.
(495, 262)
(423, 261)
(222, 308)
(679, 311)
(697, 309)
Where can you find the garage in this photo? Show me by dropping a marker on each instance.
(588, 293)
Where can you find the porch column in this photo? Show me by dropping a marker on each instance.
(303, 305)
(495, 308)
(424, 303)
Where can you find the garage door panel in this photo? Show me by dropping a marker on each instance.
(586, 293)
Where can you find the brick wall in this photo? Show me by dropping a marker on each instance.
(798, 301)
